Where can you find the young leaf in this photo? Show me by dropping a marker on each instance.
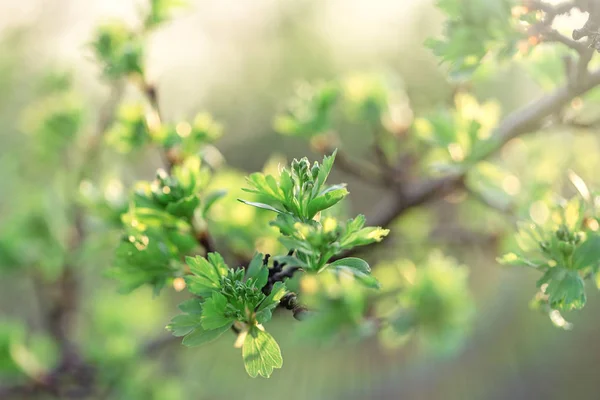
(191, 306)
(358, 268)
(261, 353)
(565, 289)
(183, 324)
(324, 171)
(260, 205)
(274, 297)
(325, 201)
(354, 263)
(184, 207)
(201, 336)
(255, 266)
(588, 253)
(213, 314)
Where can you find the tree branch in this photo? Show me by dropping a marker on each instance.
(519, 122)
(170, 159)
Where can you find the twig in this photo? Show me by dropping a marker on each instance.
(553, 36)
(290, 301)
(203, 237)
(519, 122)
(385, 168)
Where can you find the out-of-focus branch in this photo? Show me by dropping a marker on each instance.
(170, 159)
(59, 301)
(591, 29)
(387, 170)
(519, 122)
(552, 35)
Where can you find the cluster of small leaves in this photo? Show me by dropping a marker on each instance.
(165, 218)
(309, 113)
(476, 28)
(341, 303)
(461, 136)
(135, 127)
(34, 233)
(431, 299)
(373, 98)
(240, 228)
(44, 248)
(119, 48)
(129, 130)
(159, 226)
(316, 242)
(562, 243)
(55, 120)
(298, 196)
(231, 299)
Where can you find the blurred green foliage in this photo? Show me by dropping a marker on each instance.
(422, 295)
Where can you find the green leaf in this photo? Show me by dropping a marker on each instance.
(354, 263)
(191, 306)
(588, 253)
(255, 266)
(565, 289)
(290, 261)
(206, 278)
(183, 324)
(515, 259)
(274, 297)
(260, 205)
(333, 188)
(262, 278)
(261, 353)
(184, 207)
(357, 267)
(201, 336)
(218, 263)
(325, 201)
(213, 313)
(257, 271)
(324, 171)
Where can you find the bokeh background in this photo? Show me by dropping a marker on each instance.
(239, 60)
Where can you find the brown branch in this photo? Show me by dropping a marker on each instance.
(519, 122)
(553, 36)
(59, 301)
(553, 11)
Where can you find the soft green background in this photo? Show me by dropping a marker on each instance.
(238, 59)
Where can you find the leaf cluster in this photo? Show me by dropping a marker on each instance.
(231, 299)
(135, 127)
(298, 196)
(564, 245)
(159, 226)
(473, 30)
(431, 299)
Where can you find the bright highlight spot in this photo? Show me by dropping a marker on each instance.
(539, 212)
(511, 185)
(456, 152)
(178, 284)
(183, 129)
